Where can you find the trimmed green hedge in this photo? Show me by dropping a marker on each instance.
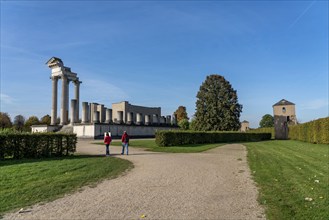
(263, 130)
(175, 138)
(36, 145)
(316, 131)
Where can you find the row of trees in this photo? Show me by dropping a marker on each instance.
(20, 123)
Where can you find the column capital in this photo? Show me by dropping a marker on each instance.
(54, 77)
(77, 82)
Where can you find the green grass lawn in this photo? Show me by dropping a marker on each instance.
(26, 182)
(151, 146)
(293, 178)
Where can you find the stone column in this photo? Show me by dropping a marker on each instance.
(155, 120)
(108, 118)
(129, 117)
(147, 119)
(173, 121)
(162, 120)
(96, 117)
(119, 116)
(64, 100)
(101, 110)
(93, 109)
(77, 97)
(73, 111)
(139, 119)
(54, 100)
(85, 111)
(168, 119)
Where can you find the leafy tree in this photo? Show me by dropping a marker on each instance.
(192, 124)
(267, 121)
(184, 124)
(217, 107)
(5, 121)
(46, 120)
(19, 122)
(33, 120)
(181, 113)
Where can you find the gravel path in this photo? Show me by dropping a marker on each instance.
(215, 184)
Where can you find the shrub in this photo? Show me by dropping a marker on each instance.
(26, 145)
(174, 138)
(316, 131)
(263, 130)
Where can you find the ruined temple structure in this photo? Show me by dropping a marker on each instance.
(284, 115)
(59, 71)
(138, 121)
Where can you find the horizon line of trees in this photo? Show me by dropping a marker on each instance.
(20, 123)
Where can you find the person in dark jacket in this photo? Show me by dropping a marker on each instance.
(107, 142)
(125, 142)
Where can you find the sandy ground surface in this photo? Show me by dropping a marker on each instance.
(215, 184)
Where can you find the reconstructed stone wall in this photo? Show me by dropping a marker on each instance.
(125, 113)
(97, 131)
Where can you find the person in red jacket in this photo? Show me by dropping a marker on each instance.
(125, 142)
(107, 142)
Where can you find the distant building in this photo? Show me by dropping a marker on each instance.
(244, 126)
(287, 109)
(284, 115)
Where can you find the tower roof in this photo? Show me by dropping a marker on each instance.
(283, 102)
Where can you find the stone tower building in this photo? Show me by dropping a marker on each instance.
(287, 109)
(284, 115)
(244, 126)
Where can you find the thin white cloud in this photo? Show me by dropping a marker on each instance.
(6, 99)
(315, 104)
(301, 15)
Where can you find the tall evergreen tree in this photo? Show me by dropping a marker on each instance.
(19, 122)
(217, 107)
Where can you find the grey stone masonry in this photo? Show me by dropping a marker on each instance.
(85, 112)
(59, 71)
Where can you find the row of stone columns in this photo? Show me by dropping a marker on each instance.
(64, 113)
(96, 113)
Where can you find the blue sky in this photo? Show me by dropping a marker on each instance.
(158, 53)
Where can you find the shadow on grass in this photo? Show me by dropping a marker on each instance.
(8, 162)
